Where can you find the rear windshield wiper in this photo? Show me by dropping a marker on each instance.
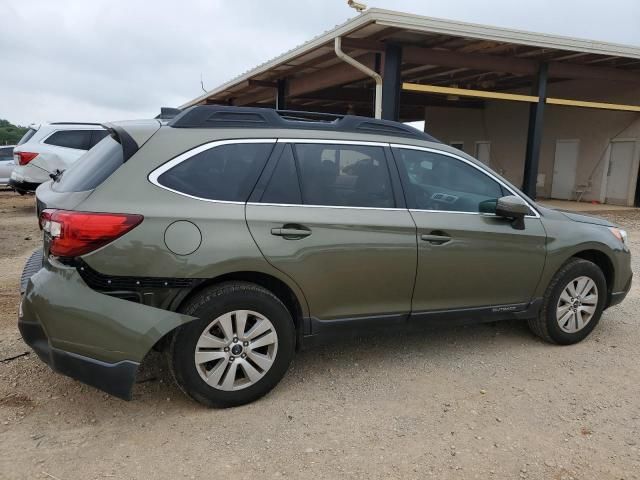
(56, 175)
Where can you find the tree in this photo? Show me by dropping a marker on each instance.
(10, 134)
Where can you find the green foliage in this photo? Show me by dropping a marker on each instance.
(9, 133)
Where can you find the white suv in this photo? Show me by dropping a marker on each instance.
(48, 148)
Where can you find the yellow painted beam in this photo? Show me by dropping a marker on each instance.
(603, 106)
(465, 92)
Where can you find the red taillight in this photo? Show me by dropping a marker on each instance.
(22, 158)
(78, 233)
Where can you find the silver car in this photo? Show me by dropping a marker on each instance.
(6, 163)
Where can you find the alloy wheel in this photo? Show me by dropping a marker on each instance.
(236, 350)
(577, 304)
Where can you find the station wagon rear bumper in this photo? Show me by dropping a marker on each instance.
(23, 186)
(114, 378)
(95, 338)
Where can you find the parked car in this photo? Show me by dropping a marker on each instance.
(230, 237)
(45, 149)
(6, 163)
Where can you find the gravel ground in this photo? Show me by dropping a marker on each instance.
(485, 401)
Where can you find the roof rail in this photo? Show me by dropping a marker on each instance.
(74, 123)
(221, 116)
(308, 116)
(167, 113)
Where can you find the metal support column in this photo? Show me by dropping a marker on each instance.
(534, 135)
(281, 103)
(392, 82)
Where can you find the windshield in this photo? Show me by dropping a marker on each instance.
(91, 169)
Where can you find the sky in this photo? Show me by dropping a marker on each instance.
(104, 60)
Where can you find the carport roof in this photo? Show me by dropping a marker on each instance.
(436, 51)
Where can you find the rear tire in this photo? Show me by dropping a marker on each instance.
(572, 304)
(238, 349)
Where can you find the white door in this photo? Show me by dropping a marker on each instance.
(483, 152)
(564, 169)
(619, 172)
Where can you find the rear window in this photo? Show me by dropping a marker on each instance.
(96, 137)
(226, 172)
(78, 139)
(93, 168)
(25, 138)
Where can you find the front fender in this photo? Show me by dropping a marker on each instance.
(566, 239)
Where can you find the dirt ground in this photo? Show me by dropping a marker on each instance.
(486, 401)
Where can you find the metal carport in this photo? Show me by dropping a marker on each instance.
(427, 62)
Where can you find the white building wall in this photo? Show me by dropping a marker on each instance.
(505, 124)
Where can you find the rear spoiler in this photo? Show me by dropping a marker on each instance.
(120, 135)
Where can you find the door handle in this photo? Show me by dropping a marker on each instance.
(435, 239)
(290, 232)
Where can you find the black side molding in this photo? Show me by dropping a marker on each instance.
(492, 313)
(314, 326)
(316, 329)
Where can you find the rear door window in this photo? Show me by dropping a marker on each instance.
(93, 168)
(283, 187)
(344, 175)
(78, 139)
(226, 172)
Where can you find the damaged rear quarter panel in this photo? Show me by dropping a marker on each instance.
(91, 323)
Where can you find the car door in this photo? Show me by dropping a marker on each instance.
(467, 256)
(330, 215)
(6, 163)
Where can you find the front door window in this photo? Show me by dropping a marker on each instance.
(440, 182)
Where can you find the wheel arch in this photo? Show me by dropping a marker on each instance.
(604, 262)
(286, 294)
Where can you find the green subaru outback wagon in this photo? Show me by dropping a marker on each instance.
(229, 237)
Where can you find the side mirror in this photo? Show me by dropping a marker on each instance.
(488, 206)
(513, 208)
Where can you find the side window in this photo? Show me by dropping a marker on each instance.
(283, 187)
(344, 175)
(227, 172)
(440, 182)
(96, 136)
(6, 154)
(78, 139)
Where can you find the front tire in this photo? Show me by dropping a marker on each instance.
(238, 349)
(572, 304)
